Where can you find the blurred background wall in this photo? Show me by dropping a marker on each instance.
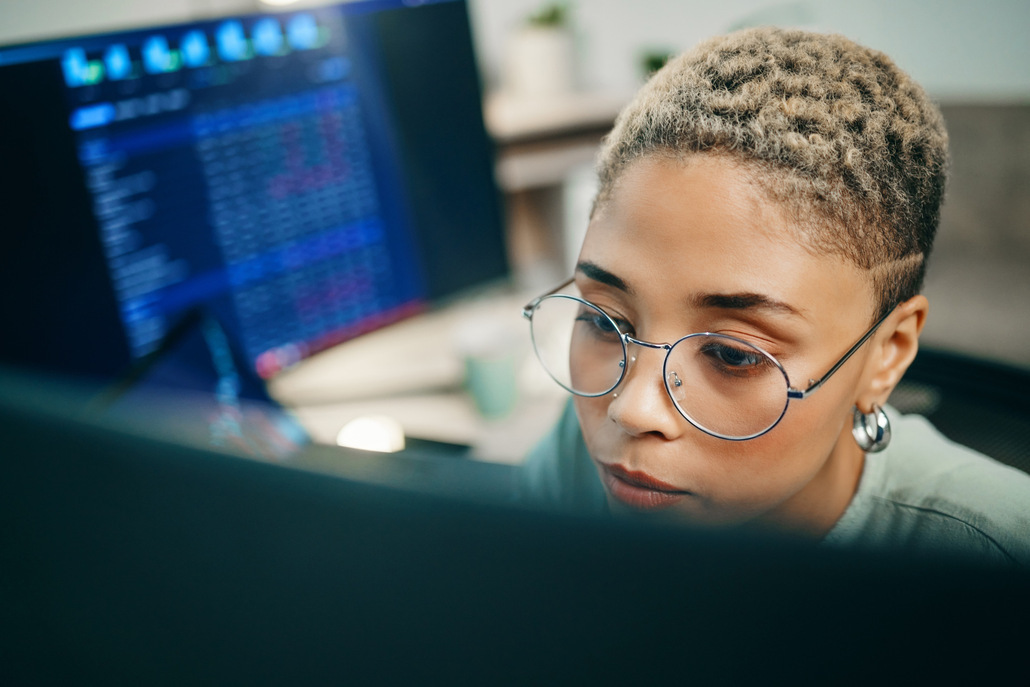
(959, 50)
(972, 57)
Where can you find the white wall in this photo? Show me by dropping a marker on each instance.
(25, 20)
(958, 49)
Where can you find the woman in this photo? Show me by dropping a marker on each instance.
(746, 298)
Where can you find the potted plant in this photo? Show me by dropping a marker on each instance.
(540, 59)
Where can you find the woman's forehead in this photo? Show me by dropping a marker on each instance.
(698, 189)
(702, 226)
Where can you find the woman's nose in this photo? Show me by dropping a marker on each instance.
(640, 405)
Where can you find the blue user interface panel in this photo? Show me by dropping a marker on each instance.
(292, 180)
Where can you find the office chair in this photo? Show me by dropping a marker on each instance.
(979, 403)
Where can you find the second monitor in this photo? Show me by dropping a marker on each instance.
(298, 178)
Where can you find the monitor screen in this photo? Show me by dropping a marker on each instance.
(290, 179)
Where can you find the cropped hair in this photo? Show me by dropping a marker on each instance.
(834, 132)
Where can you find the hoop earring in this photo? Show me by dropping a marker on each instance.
(872, 431)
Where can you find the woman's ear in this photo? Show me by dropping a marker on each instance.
(894, 348)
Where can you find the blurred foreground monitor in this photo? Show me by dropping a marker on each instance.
(132, 555)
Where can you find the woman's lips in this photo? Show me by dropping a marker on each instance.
(638, 489)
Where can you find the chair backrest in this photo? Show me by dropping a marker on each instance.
(982, 404)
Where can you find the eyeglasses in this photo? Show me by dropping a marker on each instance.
(721, 384)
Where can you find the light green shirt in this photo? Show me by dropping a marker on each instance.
(923, 494)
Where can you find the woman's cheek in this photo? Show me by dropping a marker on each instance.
(593, 418)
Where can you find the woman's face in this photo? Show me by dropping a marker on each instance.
(685, 247)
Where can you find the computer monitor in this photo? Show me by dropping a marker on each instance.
(135, 558)
(290, 180)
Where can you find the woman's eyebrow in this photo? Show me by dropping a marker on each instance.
(712, 301)
(743, 301)
(600, 274)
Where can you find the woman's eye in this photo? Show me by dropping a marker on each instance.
(736, 360)
(623, 327)
(600, 324)
(737, 357)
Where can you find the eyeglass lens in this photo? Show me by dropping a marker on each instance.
(721, 384)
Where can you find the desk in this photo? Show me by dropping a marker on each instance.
(413, 371)
(541, 140)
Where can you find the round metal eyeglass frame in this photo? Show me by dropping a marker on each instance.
(626, 339)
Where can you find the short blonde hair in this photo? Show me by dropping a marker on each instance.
(834, 131)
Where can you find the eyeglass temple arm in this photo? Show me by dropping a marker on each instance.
(799, 394)
(527, 310)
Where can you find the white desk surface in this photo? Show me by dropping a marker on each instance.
(509, 117)
(413, 371)
(542, 139)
